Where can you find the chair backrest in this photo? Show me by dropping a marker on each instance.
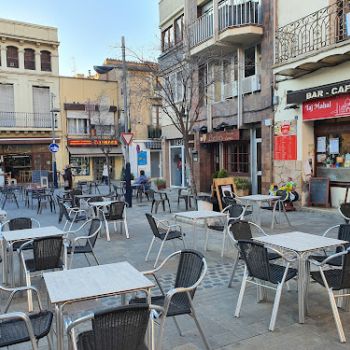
(96, 199)
(63, 211)
(94, 229)
(344, 280)
(284, 195)
(20, 224)
(116, 211)
(241, 230)
(235, 210)
(228, 200)
(47, 252)
(255, 256)
(153, 225)
(122, 328)
(189, 270)
(345, 210)
(344, 235)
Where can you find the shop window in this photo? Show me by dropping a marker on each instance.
(29, 59)
(168, 38)
(45, 59)
(12, 56)
(78, 126)
(80, 166)
(237, 157)
(178, 29)
(249, 62)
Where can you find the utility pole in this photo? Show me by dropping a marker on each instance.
(54, 112)
(128, 193)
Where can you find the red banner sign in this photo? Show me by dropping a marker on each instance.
(332, 107)
(285, 147)
(93, 142)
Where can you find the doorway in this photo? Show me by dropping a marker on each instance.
(98, 167)
(155, 164)
(256, 164)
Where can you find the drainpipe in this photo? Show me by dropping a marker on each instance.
(240, 57)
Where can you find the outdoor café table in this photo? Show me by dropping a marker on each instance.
(196, 215)
(9, 237)
(87, 283)
(303, 245)
(258, 199)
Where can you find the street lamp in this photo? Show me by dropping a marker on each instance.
(103, 70)
(54, 112)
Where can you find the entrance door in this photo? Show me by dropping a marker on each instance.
(177, 173)
(155, 164)
(98, 167)
(256, 168)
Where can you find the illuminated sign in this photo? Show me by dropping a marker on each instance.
(93, 142)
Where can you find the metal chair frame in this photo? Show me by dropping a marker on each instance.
(345, 217)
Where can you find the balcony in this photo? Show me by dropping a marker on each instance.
(318, 40)
(20, 120)
(154, 132)
(237, 23)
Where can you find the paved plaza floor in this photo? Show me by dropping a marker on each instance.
(214, 301)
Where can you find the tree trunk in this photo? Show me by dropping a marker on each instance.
(189, 164)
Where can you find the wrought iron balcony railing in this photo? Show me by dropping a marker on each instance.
(154, 132)
(317, 31)
(25, 120)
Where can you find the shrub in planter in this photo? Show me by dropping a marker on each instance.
(220, 174)
(242, 185)
(160, 183)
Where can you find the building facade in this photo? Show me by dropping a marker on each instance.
(312, 119)
(233, 44)
(29, 90)
(90, 117)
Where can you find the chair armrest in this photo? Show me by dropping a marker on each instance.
(329, 229)
(152, 272)
(258, 227)
(325, 261)
(25, 245)
(75, 323)
(284, 256)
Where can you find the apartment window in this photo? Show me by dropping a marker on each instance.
(77, 126)
(206, 8)
(237, 157)
(179, 23)
(249, 62)
(29, 59)
(174, 86)
(7, 106)
(12, 56)
(104, 130)
(45, 58)
(167, 38)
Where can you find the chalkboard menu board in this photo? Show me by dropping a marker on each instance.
(319, 191)
(37, 174)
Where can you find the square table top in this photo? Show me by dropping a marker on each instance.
(102, 204)
(299, 241)
(200, 214)
(31, 233)
(94, 281)
(259, 197)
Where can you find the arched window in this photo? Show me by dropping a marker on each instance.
(12, 56)
(45, 57)
(29, 59)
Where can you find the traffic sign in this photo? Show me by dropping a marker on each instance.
(54, 147)
(138, 149)
(127, 137)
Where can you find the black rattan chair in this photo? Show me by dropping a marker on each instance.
(18, 327)
(242, 230)
(259, 270)
(177, 301)
(72, 215)
(122, 328)
(344, 211)
(116, 212)
(164, 232)
(75, 200)
(90, 239)
(186, 195)
(8, 194)
(335, 280)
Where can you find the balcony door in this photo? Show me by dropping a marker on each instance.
(41, 107)
(7, 106)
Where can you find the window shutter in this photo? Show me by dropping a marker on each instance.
(41, 106)
(7, 102)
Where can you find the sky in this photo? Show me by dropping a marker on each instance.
(90, 30)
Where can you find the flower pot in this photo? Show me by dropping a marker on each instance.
(161, 186)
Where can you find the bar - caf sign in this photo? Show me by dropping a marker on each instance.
(93, 143)
(220, 136)
(323, 91)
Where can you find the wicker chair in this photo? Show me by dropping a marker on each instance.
(178, 300)
(122, 328)
(46, 255)
(242, 230)
(116, 212)
(90, 240)
(344, 211)
(164, 232)
(259, 270)
(343, 235)
(334, 280)
(18, 327)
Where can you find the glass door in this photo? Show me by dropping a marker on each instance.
(177, 173)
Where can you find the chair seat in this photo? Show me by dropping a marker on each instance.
(15, 331)
(31, 267)
(178, 305)
(333, 278)
(334, 262)
(80, 249)
(115, 218)
(171, 235)
(277, 271)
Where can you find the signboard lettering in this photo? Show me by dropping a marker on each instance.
(285, 140)
(221, 136)
(93, 142)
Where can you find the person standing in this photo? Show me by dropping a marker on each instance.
(68, 177)
(105, 174)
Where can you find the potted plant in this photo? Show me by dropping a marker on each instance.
(242, 185)
(160, 183)
(220, 174)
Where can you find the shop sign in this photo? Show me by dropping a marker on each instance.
(332, 107)
(285, 140)
(318, 92)
(93, 142)
(220, 136)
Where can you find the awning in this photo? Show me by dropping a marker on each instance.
(93, 152)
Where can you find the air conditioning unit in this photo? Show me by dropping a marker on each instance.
(251, 84)
(230, 90)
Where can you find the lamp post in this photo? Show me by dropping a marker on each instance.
(103, 70)
(54, 112)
